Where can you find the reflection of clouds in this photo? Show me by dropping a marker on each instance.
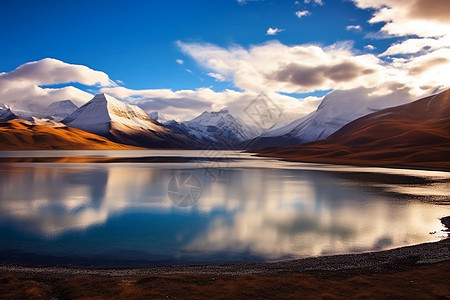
(310, 214)
(266, 212)
(52, 200)
(55, 200)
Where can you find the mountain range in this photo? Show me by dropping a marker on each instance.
(413, 134)
(342, 129)
(219, 129)
(337, 109)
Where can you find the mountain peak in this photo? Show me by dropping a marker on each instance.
(6, 114)
(59, 110)
(103, 97)
(122, 122)
(98, 115)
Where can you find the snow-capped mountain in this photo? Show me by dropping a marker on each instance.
(6, 114)
(121, 122)
(336, 110)
(413, 134)
(220, 129)
(60, 110)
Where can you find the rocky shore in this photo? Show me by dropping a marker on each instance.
(418, 271)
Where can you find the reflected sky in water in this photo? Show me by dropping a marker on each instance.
(250, 210)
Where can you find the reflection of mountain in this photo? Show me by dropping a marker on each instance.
(414, 134)
(268, 213)
(24, 135)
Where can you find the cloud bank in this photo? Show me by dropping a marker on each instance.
(26, 85)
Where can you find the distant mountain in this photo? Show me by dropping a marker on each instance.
(219, 129)
(6, 114)
(26, 111)
(24, 135)
(163, 119)
(414, 134)
(59, 110)
(124, 123)
(336, 109)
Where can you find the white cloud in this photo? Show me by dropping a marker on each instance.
(319, 2)
(50, 71)
(25, 85)
(273, 67)
(354, 27)
(180, 61)
(273, 31)
(420, 59)
(302, 13)
(246, 1)
(216, 76)
(369, 47)
(423, 18)
(22, 87)
(416, 45)
(182, 103)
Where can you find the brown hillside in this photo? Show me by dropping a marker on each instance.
(20, 135)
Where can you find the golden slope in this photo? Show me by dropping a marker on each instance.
(20, 135)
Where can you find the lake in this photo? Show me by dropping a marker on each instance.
(208, 207)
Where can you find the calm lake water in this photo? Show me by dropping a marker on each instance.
(215, 207)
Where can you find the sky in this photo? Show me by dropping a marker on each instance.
(184, 57)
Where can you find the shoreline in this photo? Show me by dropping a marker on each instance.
(412, 272)
(405, 257)
(347, 162)
(179, 159)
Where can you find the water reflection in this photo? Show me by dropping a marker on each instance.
(244, 213)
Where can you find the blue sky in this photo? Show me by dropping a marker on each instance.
(137, 43)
